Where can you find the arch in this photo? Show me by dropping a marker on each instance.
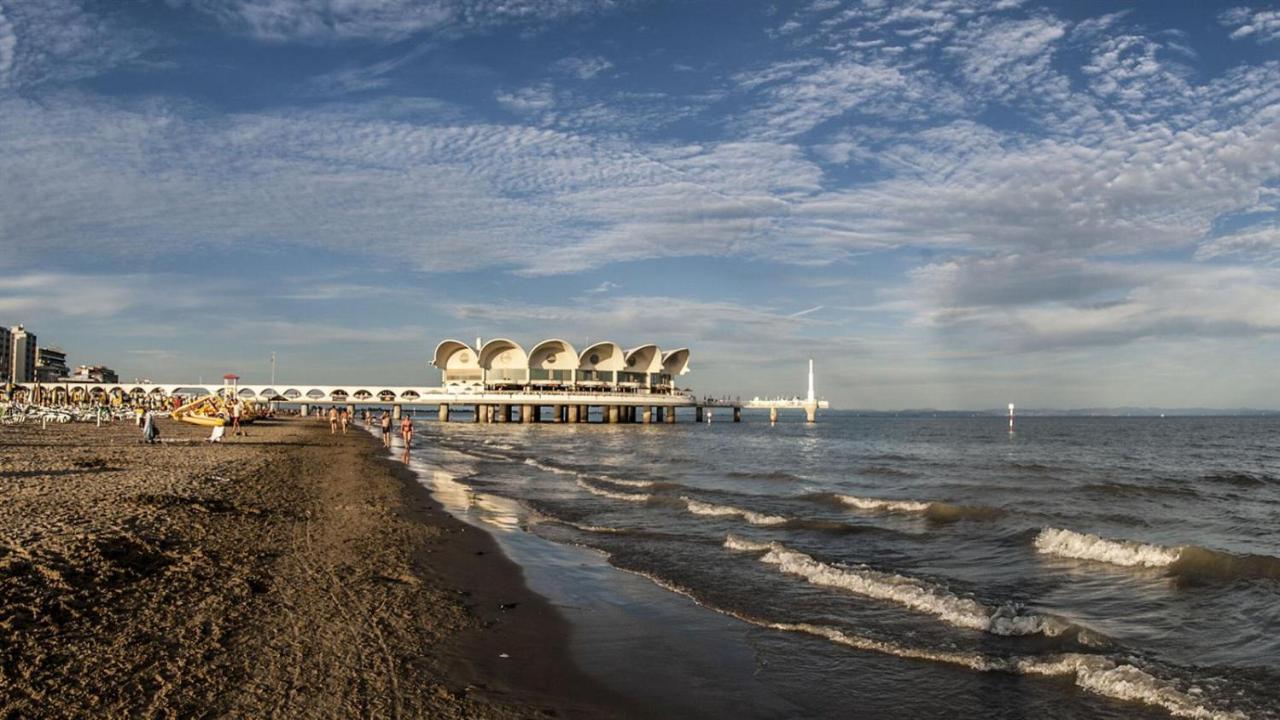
(361, 394)
(676, 362)
(455, 355)
(269, 393)
(553, 361)
(338, 395)
(315, 394)
(292, 393)
(406, 395)
(554, 354)
(386, 395)
(156, 391)
(603, 356)
(504, 361)
(247, 394)
(644, 359)
(503, 354)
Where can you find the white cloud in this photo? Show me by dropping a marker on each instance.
(383, 20)
(583, 68)
(1261, 25)
(54, 41)
(63, 294)
(1260, 244)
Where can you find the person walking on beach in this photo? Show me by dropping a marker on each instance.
(333, 421)
(406, 431)
(386, 429)
(235, 415)
(343, 419)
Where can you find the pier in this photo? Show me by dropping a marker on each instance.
(493, 382)
(810, 403)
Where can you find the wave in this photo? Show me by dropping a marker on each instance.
(558, 470)
(632, 483)
(602, 492)
(1085, 546)
(933, 510)
(701, 508)
(1242, 479)
(909, 592)
(1184, 560)
(549, 468)
(885, 470)
(773, 475)
(1093, 673)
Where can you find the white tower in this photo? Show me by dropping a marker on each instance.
(809, 397)
(811, 400)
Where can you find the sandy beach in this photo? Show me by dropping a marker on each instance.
(289, 573)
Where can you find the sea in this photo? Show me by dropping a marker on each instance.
(895, 567)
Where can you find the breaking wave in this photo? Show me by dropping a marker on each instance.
(603, 492)
(933, 510)
(909, 592)
(1097, 674)
(701, 508)
(1085, 546)
(1184, 560)
(1094, 673)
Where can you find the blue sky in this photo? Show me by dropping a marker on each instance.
(949, 204)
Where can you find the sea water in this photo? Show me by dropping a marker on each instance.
(902, 567)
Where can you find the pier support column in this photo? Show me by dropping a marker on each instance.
(488, 414)
(646, 416)
(443, 412)
(501, 413)
(304, 410)
(573, 413)
(697, 416)
(526, 414)
(773, 415)
(584, 413)
(737, 414)
(476, 413)
(612, 412)
(811, 413)
(558, 412)
(395, 411)
(506, 413)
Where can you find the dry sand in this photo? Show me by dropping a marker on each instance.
(287, 574)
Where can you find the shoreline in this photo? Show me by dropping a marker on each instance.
(283, 573)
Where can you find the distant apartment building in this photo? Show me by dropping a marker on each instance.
(51, 364)
(94, 373)
(22, 356)
(6, 355)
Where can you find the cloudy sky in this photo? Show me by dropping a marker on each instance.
(952, 204)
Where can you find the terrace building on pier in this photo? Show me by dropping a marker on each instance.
(502, 364)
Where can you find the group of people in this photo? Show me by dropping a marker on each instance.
(340, 418)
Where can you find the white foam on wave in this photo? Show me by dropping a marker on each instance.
(865, 503)
(602, 492)
(1085, 546)
(606, 478)
(548, 468)
(628, 483)
(1094, 673)
(909, 592)
(701, 508)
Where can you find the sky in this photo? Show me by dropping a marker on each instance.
(951, 204)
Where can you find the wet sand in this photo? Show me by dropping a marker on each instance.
(289, 573)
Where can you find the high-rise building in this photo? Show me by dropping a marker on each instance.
(6, 355)
(22, 363)
(51, 364)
